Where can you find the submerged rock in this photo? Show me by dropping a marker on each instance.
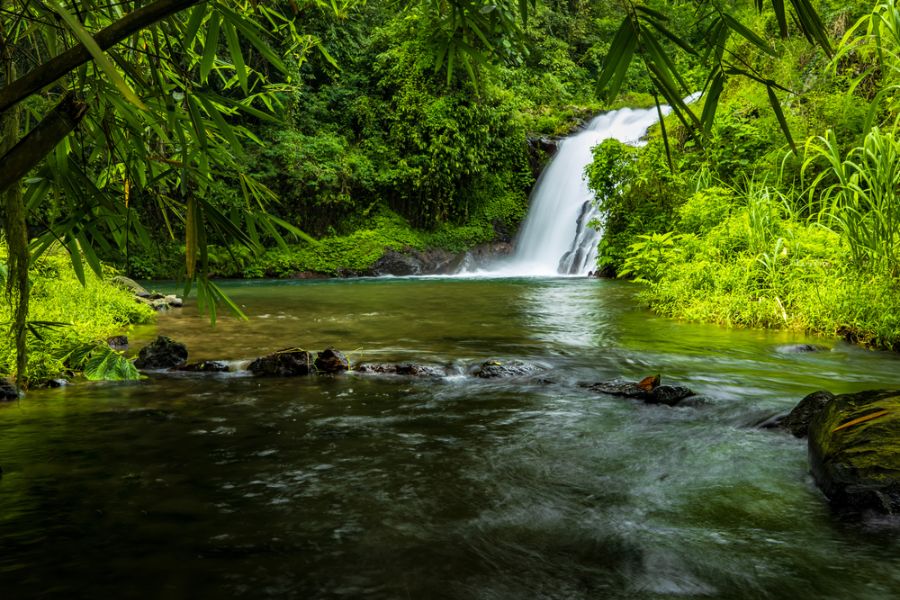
(331, 361)
(206, 366)
(409, 369)
(854, 451)
(647, 390)
(162, 353)
(797, 421)
(492, 369)
(289, 362)
(801, 348)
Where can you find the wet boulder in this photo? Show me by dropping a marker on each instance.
(854, 451)
(162, 353)
(289, 362)
(160, 302)
(118, 342)
(8, 391)
(331, 361)
(648, 390)
(797, 421)
(397, 263)
(206, 366)
(493, 369)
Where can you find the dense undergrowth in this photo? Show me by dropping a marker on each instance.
(378, 149)
(743, 231)
(70, 323)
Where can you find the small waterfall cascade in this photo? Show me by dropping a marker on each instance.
(556, 237)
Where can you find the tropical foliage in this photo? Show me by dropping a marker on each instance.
(746, 231)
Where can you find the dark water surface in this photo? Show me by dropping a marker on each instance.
(386, 487)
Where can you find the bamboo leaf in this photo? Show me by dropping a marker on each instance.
(747, 34)
(780, 16)
(715, 85)
(210, 45)
(782, 122)
(71, 246)
(193, 25)
(88, 41)
(665, 135)
(237, 58)
(191, 235)
(618, 59)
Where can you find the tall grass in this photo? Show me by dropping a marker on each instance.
(856, 195)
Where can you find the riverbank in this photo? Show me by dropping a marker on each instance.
(750, 265)
(70, 322)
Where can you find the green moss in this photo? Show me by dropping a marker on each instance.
(854, 445)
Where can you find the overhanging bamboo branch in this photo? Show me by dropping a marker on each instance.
(40, 141)
(53, 69)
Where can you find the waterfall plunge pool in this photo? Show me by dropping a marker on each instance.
(392, 487)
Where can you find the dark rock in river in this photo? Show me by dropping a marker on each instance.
(290, 362)
(162, 353)
(409, 369)
(514, 368)
(8, 391)
(801, 348)
(414, 262)
(647, 390)
(797, 421)
(854, 451)
(206, 366)
(118, 342)
(397, 263)
(332, 361)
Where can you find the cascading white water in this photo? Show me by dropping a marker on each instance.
(555, 238)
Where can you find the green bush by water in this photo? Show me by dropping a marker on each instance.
(743, 232)
(71, 321)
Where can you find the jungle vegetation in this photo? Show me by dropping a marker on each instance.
(193, 138)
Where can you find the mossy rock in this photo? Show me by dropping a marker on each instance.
(854, 451)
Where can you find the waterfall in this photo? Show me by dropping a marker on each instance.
(556, 237)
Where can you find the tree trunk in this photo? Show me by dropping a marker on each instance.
(14, 227)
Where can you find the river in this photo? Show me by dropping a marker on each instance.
(364, 486)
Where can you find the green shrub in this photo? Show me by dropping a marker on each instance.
(68, 317)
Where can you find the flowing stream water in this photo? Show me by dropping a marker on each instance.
(364, 486)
